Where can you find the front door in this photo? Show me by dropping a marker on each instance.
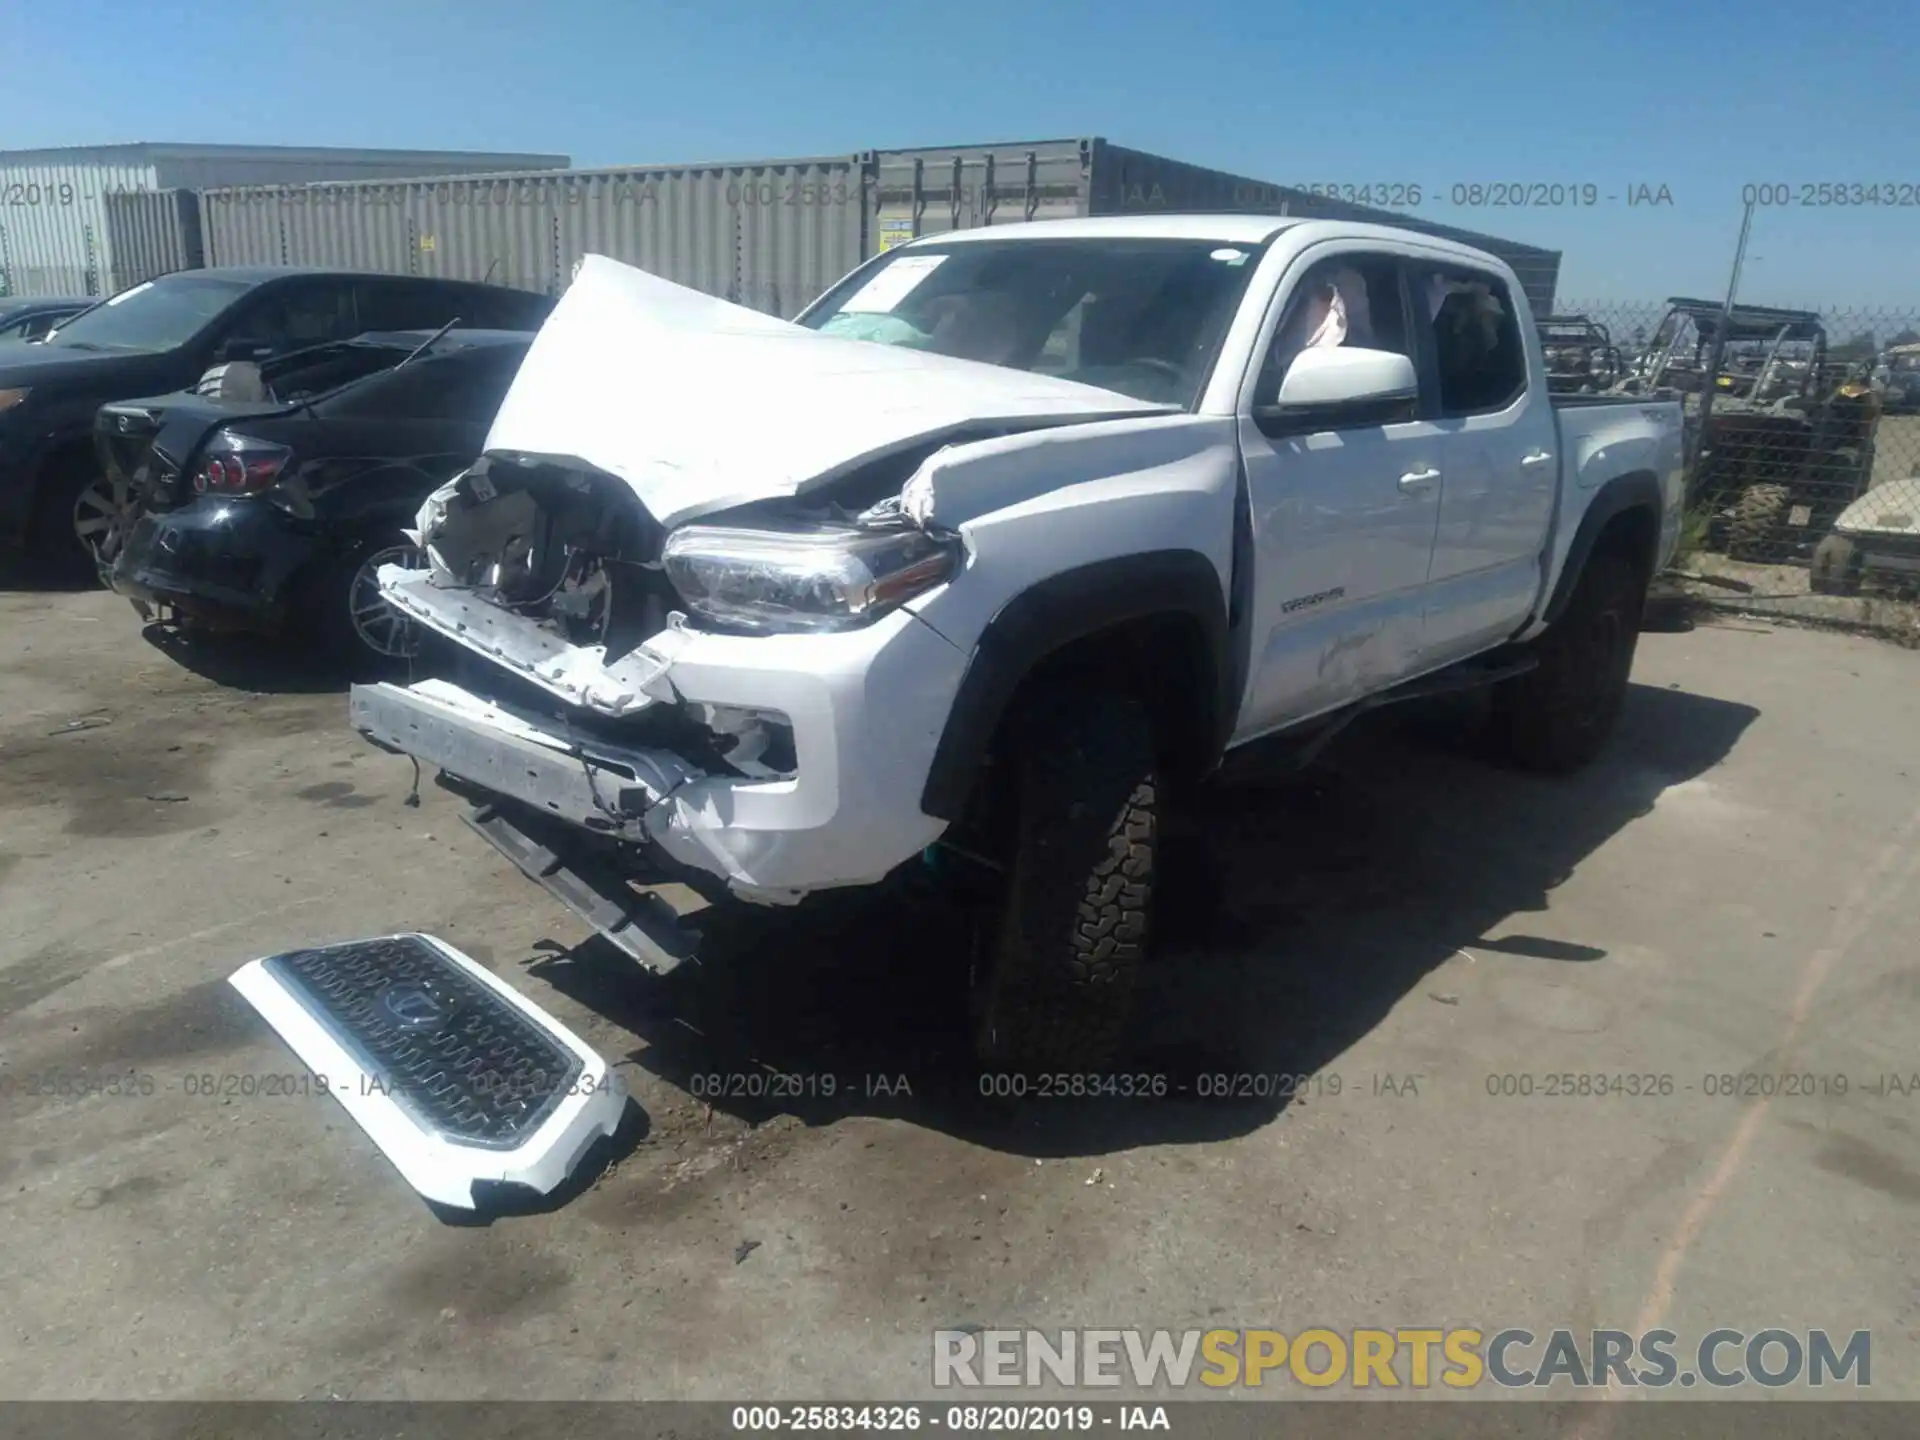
(1343, 507)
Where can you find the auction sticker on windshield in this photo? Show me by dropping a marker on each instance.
(892, 285)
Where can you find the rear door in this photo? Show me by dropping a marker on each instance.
(1342, 504)
(1497, 447)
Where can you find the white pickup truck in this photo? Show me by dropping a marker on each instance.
(1012, 535)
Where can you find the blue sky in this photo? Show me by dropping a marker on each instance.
(1617, 95)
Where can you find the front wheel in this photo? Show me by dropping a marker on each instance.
(1557, 716)
(81, 518)
(1054, 986)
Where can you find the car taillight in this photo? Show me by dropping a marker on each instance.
(239, 465)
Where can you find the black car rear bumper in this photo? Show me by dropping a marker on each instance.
(232, 564)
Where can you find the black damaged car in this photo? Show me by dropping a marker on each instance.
(161, 336)
(272, 514)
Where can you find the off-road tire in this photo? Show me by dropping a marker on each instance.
(1757, 530)
(1556, 717)
(1054, 983)
(1837, 567)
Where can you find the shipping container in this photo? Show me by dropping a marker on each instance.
(56, 237)
(152, 232)
(771, 234)
(768, 234)
(929, 191)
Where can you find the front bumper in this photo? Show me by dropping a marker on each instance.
(866, 708)
(224, 562)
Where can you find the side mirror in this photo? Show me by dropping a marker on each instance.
(1346, 375)
(243, 349)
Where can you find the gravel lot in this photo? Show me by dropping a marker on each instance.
(1734, 889)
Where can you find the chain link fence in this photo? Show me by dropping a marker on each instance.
(1803, 435)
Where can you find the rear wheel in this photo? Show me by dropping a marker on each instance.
(1557, 716)
(1054, 982)
(360, 632)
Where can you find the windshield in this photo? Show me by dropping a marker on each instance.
(1143, 317)
(157, 315)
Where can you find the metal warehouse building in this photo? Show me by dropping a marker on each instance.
(771, 234)
(93, 219)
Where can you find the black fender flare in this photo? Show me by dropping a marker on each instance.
(1054, 613)
(1636, 490)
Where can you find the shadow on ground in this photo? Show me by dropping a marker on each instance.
(20, 574)
(255, 663)
(1296, 916)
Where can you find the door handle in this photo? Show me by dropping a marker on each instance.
(1538, 457)
(1414, 481)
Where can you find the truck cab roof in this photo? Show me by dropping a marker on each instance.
(1225, 227)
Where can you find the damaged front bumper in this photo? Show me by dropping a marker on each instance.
(865, 709)
(607, 788)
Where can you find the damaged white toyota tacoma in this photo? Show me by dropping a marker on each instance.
(1012, 535)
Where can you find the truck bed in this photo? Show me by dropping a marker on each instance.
(1566, 402)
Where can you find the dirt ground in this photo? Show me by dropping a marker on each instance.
(1734, 889)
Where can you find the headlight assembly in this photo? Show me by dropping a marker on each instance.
(803, 578)
(11, 398)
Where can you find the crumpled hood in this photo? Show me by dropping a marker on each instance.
(700, 405)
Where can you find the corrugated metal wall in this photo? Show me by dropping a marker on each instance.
(931, 191)
(798, 229)
(55, 236)
(53, 224)
(770, 235)
(354, 226)
(485, 229)
(190, 167)
(152, 233)
(1131, 181)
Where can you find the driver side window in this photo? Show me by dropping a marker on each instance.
(1349, 300)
